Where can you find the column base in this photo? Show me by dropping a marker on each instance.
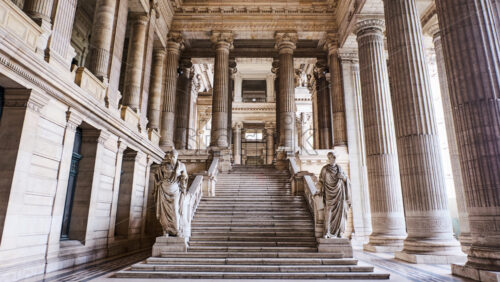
(282, 155)
(169, 244)
(465, 240)
(224, 155)
(470, 272)
(431, 258)
(381, 249)
(335, 246)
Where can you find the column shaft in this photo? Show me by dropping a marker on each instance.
(220, 109)
(182, 104)
(473, 74)
(269, 145)
(428, 221)
(155, 90)
(275, 70)
(323, 100)
(339, 129)
(386, 201)
(174, 46)
(101, 36)
(286, 45)
(39, 10)
(237, 143)
(135, 60)
(59, 47)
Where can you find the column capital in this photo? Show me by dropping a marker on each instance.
(371, 24)
(275, 66)
(348, 55)
(331, 43)
(238, 125)
(140, 18)
(175, 42)
(232, 66)
(186, 65)
(286, 41)
(73, 119)
(320, 68)
(159, 52)
(222, 39)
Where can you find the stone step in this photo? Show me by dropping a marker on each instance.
(253, 255)
(250, 275)
(254, 261)
(254, 224)
(285, 198)
(250, 249)
(196, 243)
(253, 233)
(253, 238)
(228, 219)
(249, 268)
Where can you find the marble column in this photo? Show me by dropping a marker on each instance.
(386, 201)
(237, 143)
(323, 100)
(135, 60)
(269, 143)
(155, 90)
(101, 36)
(230, 88)
(307, 142)
(174, 46)
(356, 143)
(428, 223)
(222, 42)
(182, 104)
(59, 48)
(339, 130)
(270, 88)
(40, 11)
(285, 42)
(463, 216)
(473, 73)
(275, 70)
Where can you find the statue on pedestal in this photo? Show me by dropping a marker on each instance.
(170, 186)
(336, 191)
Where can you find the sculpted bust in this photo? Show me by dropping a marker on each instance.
(171, 180)
(336, 191)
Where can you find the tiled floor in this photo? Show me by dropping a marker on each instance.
(400, 271)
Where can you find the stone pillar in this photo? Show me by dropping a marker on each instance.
(174, 46)
(222, 42)
(474, 86)
(101, 36)
(463, 216)
(285, 43)
(275, 70)
(269, 143)
(40, 11)
(428, 223)
(307, 141)
(238, 81)
(356, 143)
(323, 100)
(386, 202)
(182, 104)
(339, 129)
(270, 88)
(135, 61)
(59, 47)
(230, 88)
(155, 90)
(237, 143)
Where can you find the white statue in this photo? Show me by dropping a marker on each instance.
(171, 180)
(336, 190)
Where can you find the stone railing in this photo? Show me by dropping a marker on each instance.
(303, 182)
(210, 179)
(90, 84)
(18, 26)
(191, 201)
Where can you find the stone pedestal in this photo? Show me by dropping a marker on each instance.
(440, 258)
(474, 273)
(224, 156)
(169, 244)
(336, 246)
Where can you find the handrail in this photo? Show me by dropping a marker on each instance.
(213, 171)
(310, 185)
(191, 202)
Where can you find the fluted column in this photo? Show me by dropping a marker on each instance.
(285, 42)
(275, 70)
(428, 221)
(101, 36)
(230, 87)
(323, 104)
(386, 201)
(222, 42)
(474, 85)
(182, 104)
(237, 143)
(40, 11)
(59, 47)
(135, 61)
(463, 216)
(269, 143)
(155, 90)
(174, 46)
(356, 142)
(339, 129)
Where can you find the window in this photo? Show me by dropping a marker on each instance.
(254, 91)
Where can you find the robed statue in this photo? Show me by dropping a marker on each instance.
(335, 188)
(170, 187)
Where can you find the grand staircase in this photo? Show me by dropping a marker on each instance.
(252, 229)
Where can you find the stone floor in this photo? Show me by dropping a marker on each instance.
(400, 271)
